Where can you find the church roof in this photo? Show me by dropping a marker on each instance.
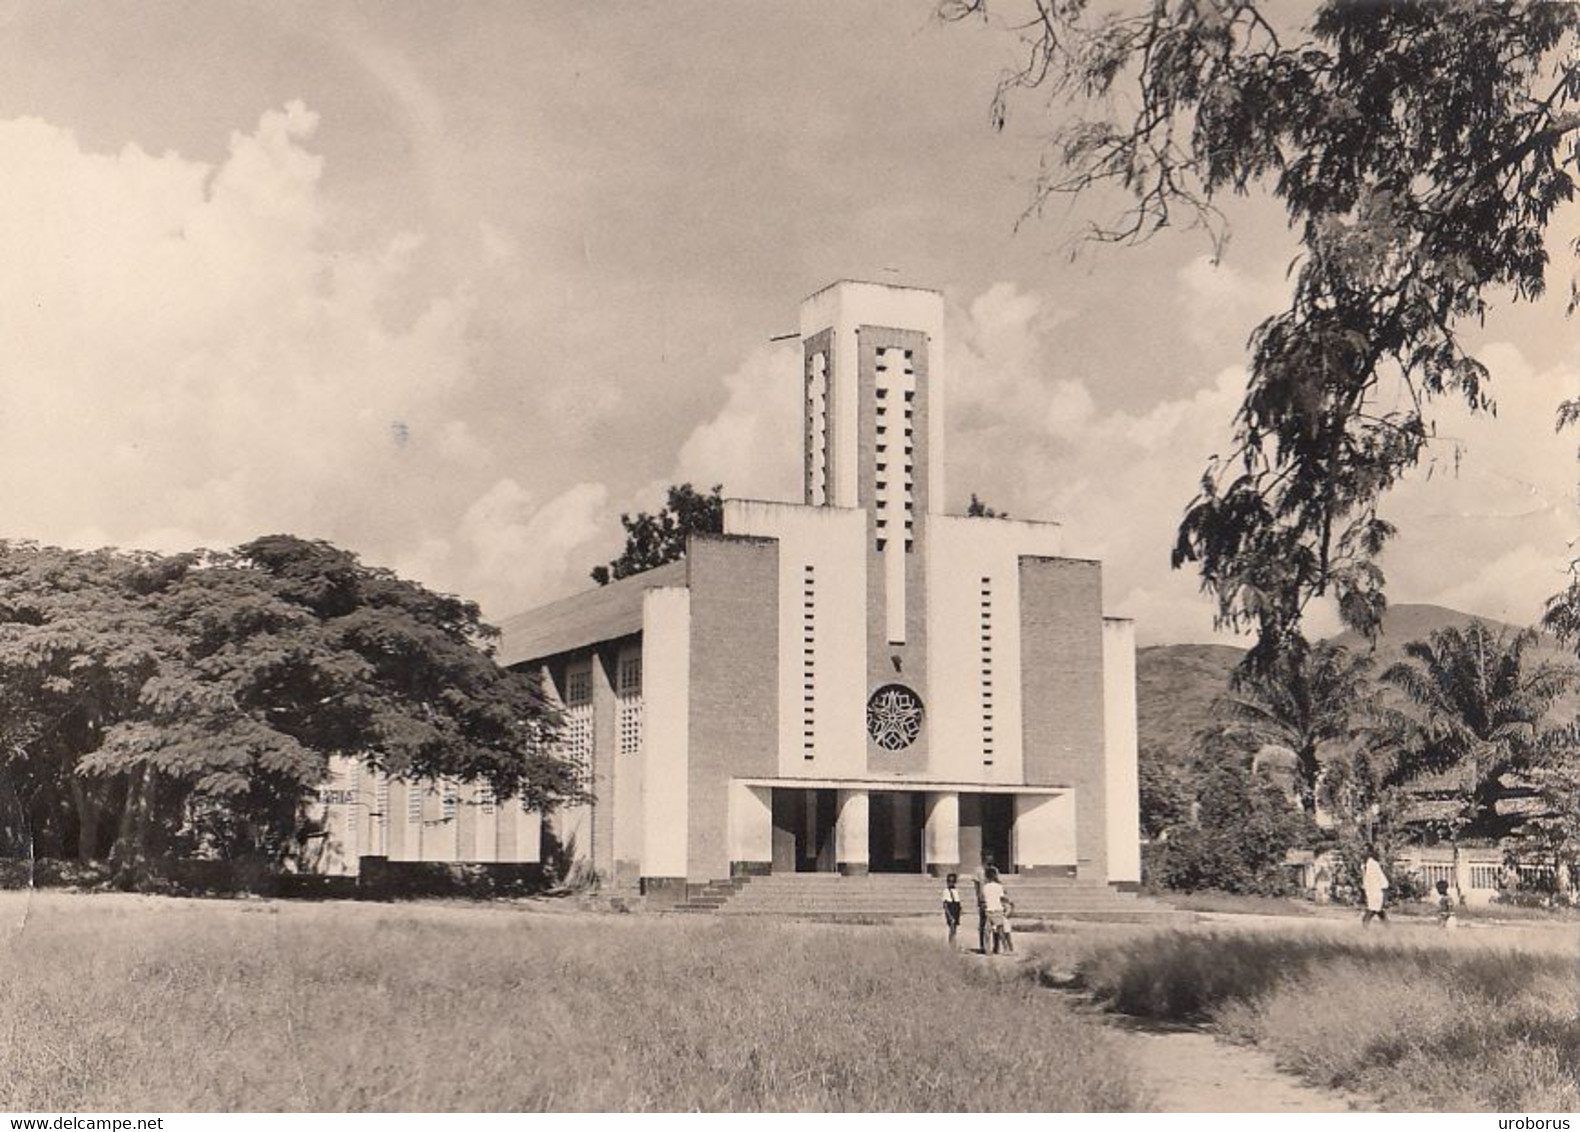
(587, 618)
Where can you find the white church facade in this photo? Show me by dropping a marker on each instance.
(858, 682)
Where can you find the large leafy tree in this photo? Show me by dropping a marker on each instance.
(213, 689)
(653, 540)
(1556, 778)
(1164, 794)
(1483, 719)
(1419, 149)
(1244, 827)
(1308, 698)
(78, 640)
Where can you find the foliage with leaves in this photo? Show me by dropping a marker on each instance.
(1419, 149)
(653, 540)
(1164, 793)
(1556, 779)
(978, 509)
(1484, 719)
(200, 696)
(1244, 827)
(1307, 698)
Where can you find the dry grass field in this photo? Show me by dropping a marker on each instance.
(1483, 1019)
(131, 1003)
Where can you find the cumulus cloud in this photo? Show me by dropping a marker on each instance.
(529, 548)
(753, 444)
(191, 359)
(1486, 521)
(1222, 303)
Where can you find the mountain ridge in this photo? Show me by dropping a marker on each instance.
(1176, 684)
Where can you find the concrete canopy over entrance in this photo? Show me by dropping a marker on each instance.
(784, 826)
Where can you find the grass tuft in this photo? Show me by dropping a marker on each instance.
(142, 1004)
(1445, 1025)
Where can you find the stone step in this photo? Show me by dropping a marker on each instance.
(1162, 916)
(905, 908)
(885, 896)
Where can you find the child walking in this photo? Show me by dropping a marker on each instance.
(1445, 906)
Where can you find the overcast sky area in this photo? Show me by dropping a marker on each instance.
(454, 285)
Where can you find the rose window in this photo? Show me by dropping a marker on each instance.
(894, 717)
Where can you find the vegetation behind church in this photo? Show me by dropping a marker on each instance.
(1496, 769)
(187, 704)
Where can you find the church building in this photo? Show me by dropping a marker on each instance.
(859, 682)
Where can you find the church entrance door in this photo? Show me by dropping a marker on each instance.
(804, 830)
(896, 820)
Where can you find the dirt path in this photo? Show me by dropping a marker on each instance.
(1189, 1070)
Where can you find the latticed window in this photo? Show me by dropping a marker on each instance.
(485, 798)
(578, 738)
(985, 647)
(817, 429)
(895, 412)
(447, 802)
(809, 661)
(414, 793)
(381, 802)
(894, 717)
(629, 689)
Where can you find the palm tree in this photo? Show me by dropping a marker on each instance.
(1481, 712)
(1309, 696)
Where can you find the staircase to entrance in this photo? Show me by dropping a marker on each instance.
(830, 896)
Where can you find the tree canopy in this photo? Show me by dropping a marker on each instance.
(1484, 721)
(1310, 696)
(652, 540)
(170, 691)
(1419, 149)
(980, 509)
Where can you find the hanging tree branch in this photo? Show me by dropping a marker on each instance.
(1419, 150)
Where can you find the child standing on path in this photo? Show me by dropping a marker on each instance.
(952, 907)
(996, 904)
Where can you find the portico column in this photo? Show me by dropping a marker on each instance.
(1045, 833)
(941, 837)
(850, 833)
(751, 830)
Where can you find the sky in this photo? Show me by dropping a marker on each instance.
(455, 285)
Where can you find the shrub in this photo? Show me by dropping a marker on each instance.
(1406, 884)
(1244, 831)
(50, 872)
(1521, 898)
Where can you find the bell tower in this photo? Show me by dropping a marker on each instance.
(874, 427)
(869, 378)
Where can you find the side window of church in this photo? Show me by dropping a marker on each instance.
(629, 690)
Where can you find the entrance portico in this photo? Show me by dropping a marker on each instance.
(853, 828)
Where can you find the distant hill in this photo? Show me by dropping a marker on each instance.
(1176, 684)
(1405, 623)
(1175, 687)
